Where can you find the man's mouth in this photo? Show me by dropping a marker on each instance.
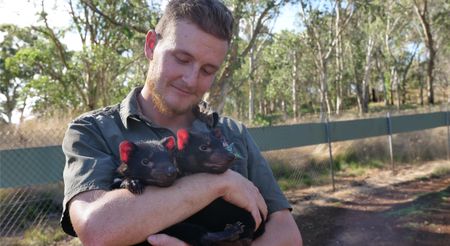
(182, 90)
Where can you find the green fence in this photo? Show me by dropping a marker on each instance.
(42, 165)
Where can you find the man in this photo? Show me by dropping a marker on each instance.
(184, 52)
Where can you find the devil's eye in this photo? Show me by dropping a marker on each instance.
(146, 162)
(204, 147)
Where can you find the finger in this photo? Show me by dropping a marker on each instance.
(257, 217)
(165, 240)
(263, 209)
(261, 203)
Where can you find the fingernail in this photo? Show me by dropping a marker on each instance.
(152, 239)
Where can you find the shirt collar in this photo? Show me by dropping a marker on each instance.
(129, 107)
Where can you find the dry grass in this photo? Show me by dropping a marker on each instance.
(310, 165)
(34, 133)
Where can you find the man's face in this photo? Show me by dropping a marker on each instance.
(182, 67)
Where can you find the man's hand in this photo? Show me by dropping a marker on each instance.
(243, 193)
(165, 240)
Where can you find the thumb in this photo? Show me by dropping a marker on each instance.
(165, 240)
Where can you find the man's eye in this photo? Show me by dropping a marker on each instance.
(208, 72)
(181, 60)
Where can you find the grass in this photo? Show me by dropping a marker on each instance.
(42, 236)
(291, 177)
(25, 208)
(440, 172)
(350, 165)
(421, 204)
(50, 234)
(308, 166)
(414, 210)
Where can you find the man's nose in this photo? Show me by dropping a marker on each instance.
(191, 76)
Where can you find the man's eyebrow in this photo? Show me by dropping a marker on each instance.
(182, 52)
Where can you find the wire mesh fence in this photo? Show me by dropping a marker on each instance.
(29, 208)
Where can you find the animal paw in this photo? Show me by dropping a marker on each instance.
(231, 233)
(133, 185)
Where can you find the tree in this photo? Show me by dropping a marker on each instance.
(111, 35)
(322, 40)
(13, 76)
(421, 9)
(261, 12)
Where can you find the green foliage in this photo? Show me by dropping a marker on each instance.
(440, 172)
(283, 174)
(352, 164)
(291, 176)
(266, 120)
(38, 69)
(30, 209)
(43, 236)
(11, 73)
(36, 65)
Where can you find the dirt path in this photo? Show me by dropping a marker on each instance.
(409, 208)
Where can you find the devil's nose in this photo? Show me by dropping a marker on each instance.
(171, 171)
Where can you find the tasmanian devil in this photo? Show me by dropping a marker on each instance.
(220, 221)
(146, 163)
(157, 162)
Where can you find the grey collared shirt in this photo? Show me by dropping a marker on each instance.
(92, 154)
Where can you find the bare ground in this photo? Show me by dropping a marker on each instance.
(410, 207)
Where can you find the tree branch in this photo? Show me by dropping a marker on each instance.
(111, 20)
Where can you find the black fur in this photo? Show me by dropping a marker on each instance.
(220, 221)
(147, 163)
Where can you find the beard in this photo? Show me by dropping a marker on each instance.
(163, 106)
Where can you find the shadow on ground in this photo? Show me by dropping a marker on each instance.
(410, 213)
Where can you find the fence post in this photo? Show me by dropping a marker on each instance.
(328, 134)
(447, 121)
(389, 128)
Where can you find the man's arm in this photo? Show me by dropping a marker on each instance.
(281, 230)
(120, 218)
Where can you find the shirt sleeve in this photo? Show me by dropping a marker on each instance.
(253, 165)
(260, 173)
(90, 164)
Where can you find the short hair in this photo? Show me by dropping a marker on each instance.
(211, 16)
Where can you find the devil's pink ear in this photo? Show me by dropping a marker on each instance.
(126, 148)
(183, 138)
(169, 143)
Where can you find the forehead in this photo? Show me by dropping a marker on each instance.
(187, 37)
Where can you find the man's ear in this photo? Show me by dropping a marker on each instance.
(150, 43)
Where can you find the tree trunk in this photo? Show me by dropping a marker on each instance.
(365, 82)
(251, 88)
(294, 86)
(339, 63)
(381, 79)
(424, 18)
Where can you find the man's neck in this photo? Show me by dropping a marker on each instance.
(167, 120)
